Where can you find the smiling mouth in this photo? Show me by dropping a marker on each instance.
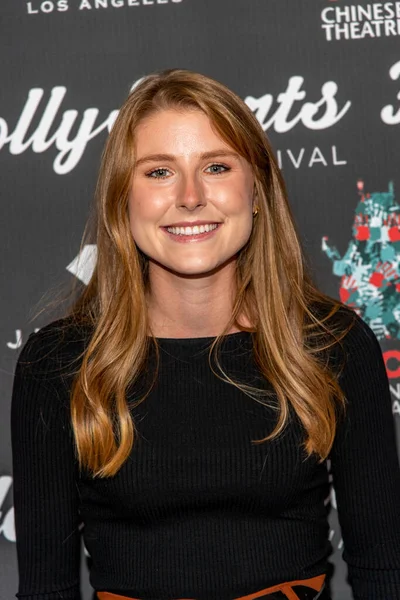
(192, 230)
(182, 234)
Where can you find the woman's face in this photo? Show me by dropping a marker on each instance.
(184, 172)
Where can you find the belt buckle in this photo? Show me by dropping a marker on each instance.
(301, 592)
(304, 592)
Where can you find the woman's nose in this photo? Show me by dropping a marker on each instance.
(191, 193)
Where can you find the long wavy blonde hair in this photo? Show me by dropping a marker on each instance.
(293, 321)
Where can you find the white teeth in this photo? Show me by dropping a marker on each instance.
(192, 230)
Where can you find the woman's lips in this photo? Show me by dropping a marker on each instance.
(197, 237)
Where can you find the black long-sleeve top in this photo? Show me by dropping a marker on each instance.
(199, 511)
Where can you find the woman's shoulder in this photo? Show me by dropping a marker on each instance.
(357, 334)
(58, 344)
(343, 321)
(350, 338)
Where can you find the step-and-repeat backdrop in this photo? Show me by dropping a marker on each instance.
(322, 77)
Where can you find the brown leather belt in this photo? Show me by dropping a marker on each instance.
(302, 589)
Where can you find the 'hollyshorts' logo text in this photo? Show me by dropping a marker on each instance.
(359, 21)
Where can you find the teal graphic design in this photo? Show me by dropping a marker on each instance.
(369, 269)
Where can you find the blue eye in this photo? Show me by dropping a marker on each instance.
(162, 173)
(157, 174)
(216, 169)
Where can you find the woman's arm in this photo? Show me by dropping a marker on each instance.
(44, 467)
(366, 473)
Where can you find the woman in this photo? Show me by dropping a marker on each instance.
(184, 411)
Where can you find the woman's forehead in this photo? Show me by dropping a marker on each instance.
(182, 130)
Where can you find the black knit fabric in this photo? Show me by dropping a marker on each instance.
(198, 511)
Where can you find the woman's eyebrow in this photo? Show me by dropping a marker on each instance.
(170, 157)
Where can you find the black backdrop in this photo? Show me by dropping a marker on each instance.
(324, 79)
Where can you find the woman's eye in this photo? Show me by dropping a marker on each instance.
(163, 173)
(158, 174)
(217, 169)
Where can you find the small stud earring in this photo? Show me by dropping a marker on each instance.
(255, 212)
